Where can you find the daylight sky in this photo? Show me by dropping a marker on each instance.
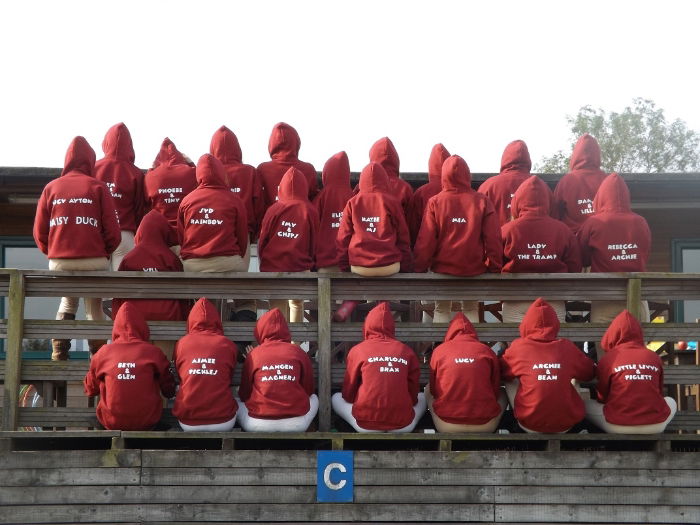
(473, 75)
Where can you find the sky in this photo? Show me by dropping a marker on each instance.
(473, 75)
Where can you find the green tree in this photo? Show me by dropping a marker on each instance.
(636, 140)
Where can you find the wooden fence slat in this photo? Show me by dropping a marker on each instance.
(601, 513)
(634, 298)
(597, 495)
(323, 355)
(70, 459)
(13, 359)
(46, 477)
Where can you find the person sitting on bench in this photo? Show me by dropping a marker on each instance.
(630, 383)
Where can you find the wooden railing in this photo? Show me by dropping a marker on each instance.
(322, 290)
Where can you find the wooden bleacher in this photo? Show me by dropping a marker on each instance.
(93, 476)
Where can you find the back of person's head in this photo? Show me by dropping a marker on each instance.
(204, 318)
(336, 171)
(129, 325)
(586, 154)
(155, 229)
(224, 146)
(625, 329)
(540, 322)
(384, 153)
(460, 328)
(373, 179)
(210, 172)
(438, 155)
(80, 157)
(533, 197)
(516, 157)
(168, 155)
(293, 186)
(272, 327)
(117, 143)
(379, 323)
(613, 195)
(455, 174)
(284, 143)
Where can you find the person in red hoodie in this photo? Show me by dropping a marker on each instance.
(515, 169)
(380, 389)
(383, 152)
(205, 360)
(330, 203)
(538, 369)
(373, 238)
(284, 147)
(614, 239)
(534, 242)
(125, 183)
(277, 381)
(630, 383)
(574, 193)
(288, 237)
(419, 199)
(76, 227)
(152, 254)
(129, 375)
(170, 180)
(242, 178)
(459, 235)
(464, 394)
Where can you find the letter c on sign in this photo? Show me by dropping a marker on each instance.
(327, 476)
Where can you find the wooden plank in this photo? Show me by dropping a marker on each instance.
(427, 476)
(597, 495)
(13, 356)
(125, 494)
(246, 512)
(601, 513)
(323, 355)
(425, 459)
(70, 476)
(634, 298)
(70, 459)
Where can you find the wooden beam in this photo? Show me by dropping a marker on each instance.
(323, 355)
(13, 359)
(634, 298)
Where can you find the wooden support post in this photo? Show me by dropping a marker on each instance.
(553, 445)
(445, 445)
(337, 443)
(13, 358)
(634, 298)
(323, 355)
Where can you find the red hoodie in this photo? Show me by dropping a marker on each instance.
(465, 377)
(615, 239)
(330, 203)
(289, 230)
(545, 365)
(205, 361)
(460, 232)
(170, 180)
(152, 254)
(515, 169)
(284, 147)
(211, 221)
(381, 376)
(75, 215)
(373, 229)
(242, 178)
(383, 152)
(122, 177)
(630, 376)
(129, 375)
(573, 196)
(533, 241)
(277, 377)
(419, 200)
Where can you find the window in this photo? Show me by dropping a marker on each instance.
(686, 259)
(22, 253)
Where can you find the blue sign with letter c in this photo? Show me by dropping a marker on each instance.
(334, 476)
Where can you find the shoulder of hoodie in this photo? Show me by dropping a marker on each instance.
(457, 347)
(240, 169)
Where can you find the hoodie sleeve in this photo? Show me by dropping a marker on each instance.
(345, 233)
(41, 224)
(583, 367)
(91, 384)
(241, 227)
(166, 381)
(265, 230)
(180, 225)
(507, 373)
(307, 373)
(314, 227)
(139, 199)
(491, 238)
(353, 376)
(111, 233)
(495, 374)
(603, 384)
(571, 255)
(427, 240)
(258, 205)
(584, 235)
(246, 379)
(403, 240)
(413, 377)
